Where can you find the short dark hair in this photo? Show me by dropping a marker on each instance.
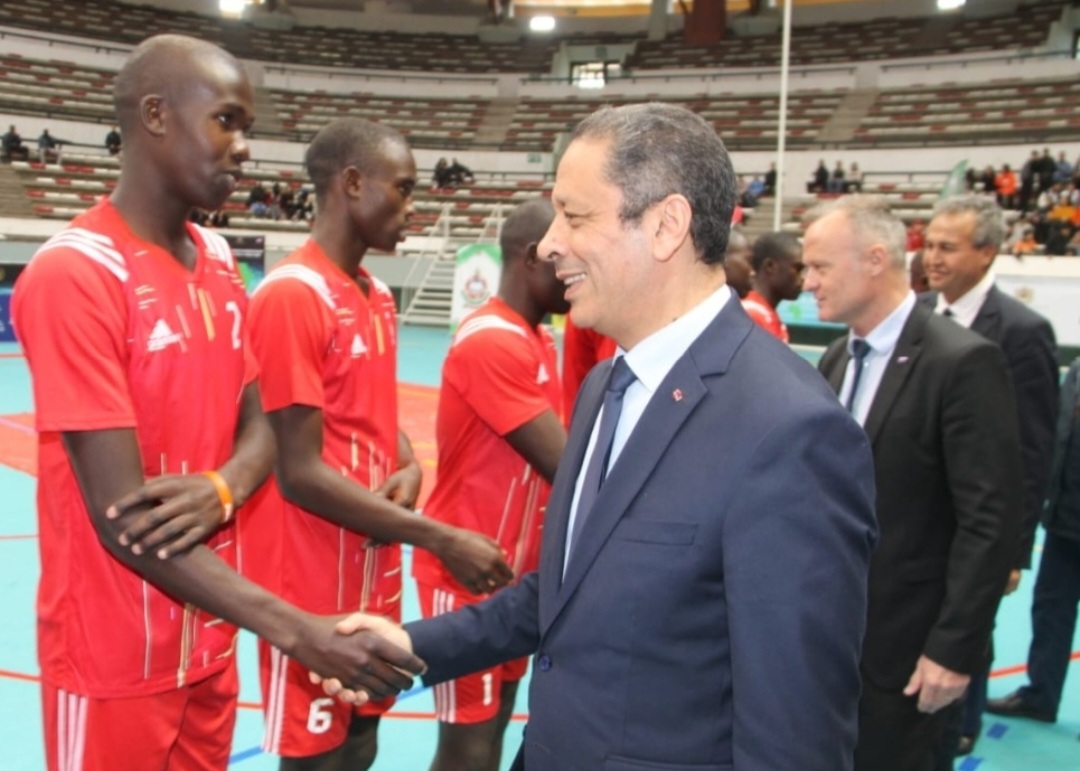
(661, 149)
(346, 142)
(778, 245)
(526, 225)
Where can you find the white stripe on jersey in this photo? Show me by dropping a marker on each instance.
(380, 286)
(472, 326)
(304, 275)
(275, 702)
(445, 697)
(216, 246)
(70, 730)
(93, 249)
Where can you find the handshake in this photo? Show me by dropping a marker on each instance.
(382, 663)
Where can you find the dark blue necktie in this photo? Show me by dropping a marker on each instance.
(621, 378)
(859, 349)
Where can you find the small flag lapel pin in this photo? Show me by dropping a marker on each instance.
(677, 395)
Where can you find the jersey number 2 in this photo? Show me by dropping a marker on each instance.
(238, 320)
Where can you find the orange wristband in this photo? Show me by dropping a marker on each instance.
(223, 492)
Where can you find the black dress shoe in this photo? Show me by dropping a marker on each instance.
(966, 745)
(1014, 705)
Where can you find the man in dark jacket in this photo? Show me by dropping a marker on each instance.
(1057, 588)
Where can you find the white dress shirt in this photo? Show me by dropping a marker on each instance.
(882, 341)
(967, 307)
(651, 360)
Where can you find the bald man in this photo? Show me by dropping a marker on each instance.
(144, 464)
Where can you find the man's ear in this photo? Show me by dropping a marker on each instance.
(152, 114)
(671, 228)
(351, 181)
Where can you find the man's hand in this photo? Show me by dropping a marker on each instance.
(363, 623)
(475, 560)
(1013, 583)
(367, 657)
(937, 686)
(185, 511)
(403, 486)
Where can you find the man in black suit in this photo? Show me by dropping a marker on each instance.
(937, 405)
(963, 238)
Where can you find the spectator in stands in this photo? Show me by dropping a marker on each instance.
(917, 274)
(1047, 169)
(770, 181)
(287, 203)
(1057, 240)
(441, 176)
(1063, 173)
(971, 180)
(257, 200)
(836, 182)
(113, 141)
(778, 275)
(820, 182)
(13, 147)
(1026, 243)
(1028, 175)
(853, 182)
(988, 180)
(1005, 185)
(916, 236)
(305, 208)
(754, 191)
(1073, 247)
(459, 173)
(48, 147)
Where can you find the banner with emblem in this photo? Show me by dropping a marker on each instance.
(476, 279)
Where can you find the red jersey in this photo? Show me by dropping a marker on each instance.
(765, 315)
(582, 349)
(118, 334)
(498, 375)
(327, 345)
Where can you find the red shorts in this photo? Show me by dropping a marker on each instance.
(189, 729)
(300, 719)
(473, 698)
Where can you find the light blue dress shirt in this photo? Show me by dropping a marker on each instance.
(882, 341)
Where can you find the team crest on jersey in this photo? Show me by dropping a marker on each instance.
(161, 336)
(358, 348)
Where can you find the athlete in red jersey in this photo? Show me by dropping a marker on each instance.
(500, 436)
(326, 533)
(150, 433)
(778, 273)
(582, 349)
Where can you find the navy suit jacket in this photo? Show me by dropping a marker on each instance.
(713, 608)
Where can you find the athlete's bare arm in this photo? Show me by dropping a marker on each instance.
(305, 480)
(540, 442)
(403, 486)
(108, 467)
(175, 512)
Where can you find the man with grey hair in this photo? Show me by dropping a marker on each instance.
(938, 408)
(704, 607)
(962, 241)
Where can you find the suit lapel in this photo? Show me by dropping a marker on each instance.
(557, 516)
(988, 319)
(834, 366)
(665, 414)
(897, 370)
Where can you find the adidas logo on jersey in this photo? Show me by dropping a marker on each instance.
(161, 336)
(358, 348)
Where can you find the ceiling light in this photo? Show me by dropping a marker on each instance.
(949, 5)
(232, 7)
(542, 23)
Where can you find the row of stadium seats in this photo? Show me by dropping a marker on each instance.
(342, 47)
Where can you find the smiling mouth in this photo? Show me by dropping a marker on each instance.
(574, 278)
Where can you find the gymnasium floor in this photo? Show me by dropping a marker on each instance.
(407, 736)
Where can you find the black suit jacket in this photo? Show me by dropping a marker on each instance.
(942, 427)
(1027, 339)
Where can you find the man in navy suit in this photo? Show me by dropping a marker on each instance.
(938, 407)
(703, 608)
